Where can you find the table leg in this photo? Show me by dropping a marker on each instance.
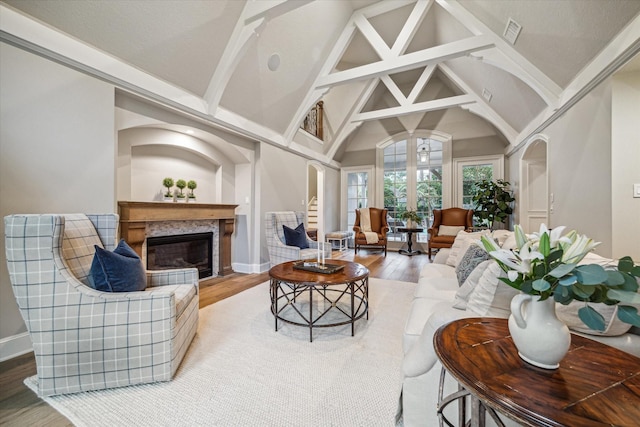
(310, 313)
(353, 289)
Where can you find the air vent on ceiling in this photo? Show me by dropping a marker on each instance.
(486, 95)
(512, 31)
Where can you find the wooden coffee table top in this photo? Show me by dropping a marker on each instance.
(352, 271)
(595, 385)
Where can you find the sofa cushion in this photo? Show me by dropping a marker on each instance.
(462, 296)
(420, 355)
(461, 243)
(295, 236)
(117, 271)
(437, 270)
(469, 261)
(449, 230)
(491, 297)
(437, 288)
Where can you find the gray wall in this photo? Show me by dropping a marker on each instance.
(57, 150)
(625, 164)
(579, 163)
(282, 186)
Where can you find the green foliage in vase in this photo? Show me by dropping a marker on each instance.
(492, 201)
(168, 182)
(411, 215)
(546, 264)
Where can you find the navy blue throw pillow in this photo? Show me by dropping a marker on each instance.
(295, 237)
(117, 271)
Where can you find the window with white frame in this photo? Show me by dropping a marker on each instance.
(470, 170)
(414, 172)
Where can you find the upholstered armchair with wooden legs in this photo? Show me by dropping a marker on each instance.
(377, 236)
(86, 339)
(446, 224)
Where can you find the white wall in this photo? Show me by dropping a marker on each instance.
(147, 155)
(57, 152)
(151, 164)
(625, 164)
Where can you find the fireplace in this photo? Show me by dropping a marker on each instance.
(181, 251)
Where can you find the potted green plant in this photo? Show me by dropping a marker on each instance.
(192, 185)
(492, 201)
(168, 183)
(181, 184)
(545, 268)
(412, 217)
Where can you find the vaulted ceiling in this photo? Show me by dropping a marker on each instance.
(257, 67)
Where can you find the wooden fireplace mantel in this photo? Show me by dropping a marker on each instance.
(134, 217)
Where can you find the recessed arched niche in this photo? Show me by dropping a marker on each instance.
(147, 155)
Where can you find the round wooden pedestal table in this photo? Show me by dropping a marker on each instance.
(319, 300)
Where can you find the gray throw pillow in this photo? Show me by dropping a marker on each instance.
(469, 261)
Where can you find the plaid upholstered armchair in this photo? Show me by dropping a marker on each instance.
(278, 250)
(84, 339)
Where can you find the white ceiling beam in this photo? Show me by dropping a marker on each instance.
(410, 27)
(394, 89)
(255, 16)
(348, 125)
(382, 7)
(525, 70)
(421, 83)
(409, 61)
(234, 52)
(438, 104)
(481, 108)
(269, 9)
(372, 36)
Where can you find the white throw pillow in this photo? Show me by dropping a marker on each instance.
(501, 236)
(461, 244)
(510, 242)
(462, 296)
(449, 230)
(491, 297)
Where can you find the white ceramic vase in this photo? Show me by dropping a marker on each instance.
(540, 337)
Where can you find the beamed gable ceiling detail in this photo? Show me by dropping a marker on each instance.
(257, 67)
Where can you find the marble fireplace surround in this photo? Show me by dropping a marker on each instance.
(139, 220)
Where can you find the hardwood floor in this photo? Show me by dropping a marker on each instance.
(19, 406)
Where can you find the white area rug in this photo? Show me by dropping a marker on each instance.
(240, 372)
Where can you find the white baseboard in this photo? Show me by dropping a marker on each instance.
(250, 268)
(14, 346)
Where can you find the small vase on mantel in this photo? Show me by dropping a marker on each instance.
(540, 337)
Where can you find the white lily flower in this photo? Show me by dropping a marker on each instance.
(521, 261)
(488, 244)
(512, 275)
(577, 250)
(521, 237)
(556, 238)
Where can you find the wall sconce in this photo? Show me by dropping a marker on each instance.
(423, 152)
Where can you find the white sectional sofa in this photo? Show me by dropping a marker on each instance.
(439, 299)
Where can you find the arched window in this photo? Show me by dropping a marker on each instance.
(414, 170)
